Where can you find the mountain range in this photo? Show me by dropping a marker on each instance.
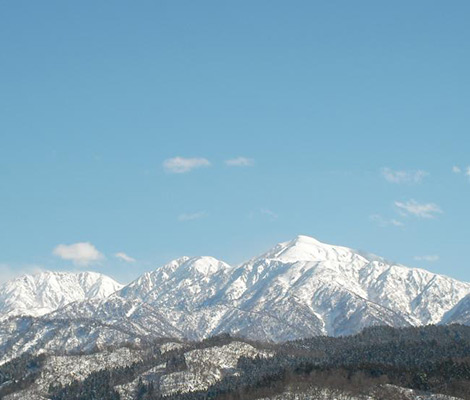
(298, 289)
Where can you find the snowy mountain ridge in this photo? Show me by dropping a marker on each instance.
(44, 292)
(298, 289)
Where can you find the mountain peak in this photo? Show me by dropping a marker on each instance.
(201, 264)
(305, 248)
(43, 292)
(206, 265)
(299, 288)
(306, 240)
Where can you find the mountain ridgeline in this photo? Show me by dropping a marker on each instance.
(298, 289)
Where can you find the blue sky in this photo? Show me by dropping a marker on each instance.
(159, 129)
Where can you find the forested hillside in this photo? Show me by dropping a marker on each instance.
(380, 362)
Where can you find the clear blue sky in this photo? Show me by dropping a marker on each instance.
(318, 97)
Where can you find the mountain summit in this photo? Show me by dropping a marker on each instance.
(299, 288)
(44, 292)
(306, 248)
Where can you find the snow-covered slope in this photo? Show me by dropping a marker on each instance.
(204, 367)
(40, 335)
(460, 314)
(298, 289)
(304, 287)
(184, 284)
(178, 369)
(186, 291)
(133, 316)
(44, 292)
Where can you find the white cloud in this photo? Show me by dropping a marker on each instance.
(409, 177)
(429, 258)
(180, 165)
(421, 210)
(384, 222)
(79, 253)
(192, 216)
(240, 162)
(458, 170)
(124, 257)
(271, 214)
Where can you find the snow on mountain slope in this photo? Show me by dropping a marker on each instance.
(19, 335)
(84, 326)
(184, 284)
(185, 291)
(204, 367)
(460, 314)
(298, 289)
(317, 273)
(303, 288)
(173, 368)
(133, 316)
(64, 370)
(44, 292)
(306, 248)
(421, 296)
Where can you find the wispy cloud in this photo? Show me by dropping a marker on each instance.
(428, 258)
(81, 253)
(410, 177)
(192, 216)
(124, 257)
(8, 272)
(459, 170)
(269, 213)
(421, 210)
(240, 162)
(181, 165)
(384, 222)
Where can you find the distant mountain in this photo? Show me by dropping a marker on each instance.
(298, 289)
(42, 293)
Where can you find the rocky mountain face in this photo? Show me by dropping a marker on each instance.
(298, 289)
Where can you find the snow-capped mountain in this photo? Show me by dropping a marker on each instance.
(186, 291)
(298, 289)
(184, 284)
(42, 293)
